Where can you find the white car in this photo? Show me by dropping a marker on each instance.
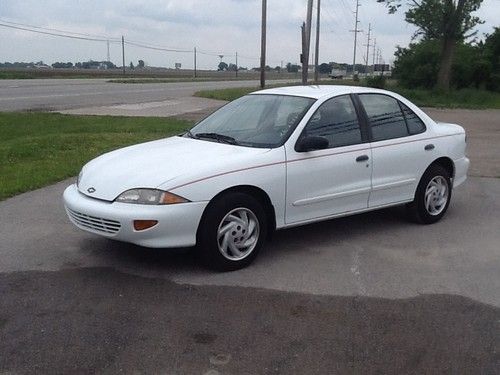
(270, 160)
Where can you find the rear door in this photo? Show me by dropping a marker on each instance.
(400, 149)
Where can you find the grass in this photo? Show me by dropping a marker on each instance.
(175, 80)
(226, 94)
(38, 149)
(465, 98)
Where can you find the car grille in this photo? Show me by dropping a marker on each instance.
(94, 223)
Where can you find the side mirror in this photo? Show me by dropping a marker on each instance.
(311, 143)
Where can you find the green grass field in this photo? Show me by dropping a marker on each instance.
(465, 98)
(38, 149)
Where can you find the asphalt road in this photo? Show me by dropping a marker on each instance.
(371, 293)
(64, 94)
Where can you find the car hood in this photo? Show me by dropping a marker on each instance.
(167, 161)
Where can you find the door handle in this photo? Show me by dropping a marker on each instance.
(429, 147)
(362, 158)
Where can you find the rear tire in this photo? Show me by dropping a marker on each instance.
(232, 232)
(432, 197)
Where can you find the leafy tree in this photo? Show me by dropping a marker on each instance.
(131, 65)
(58, 65)
(222, 66)
(140, 64)
(448, 21)
(418, 65)
(232, 67)
(325, 68)
(492, 54)
(292, 68)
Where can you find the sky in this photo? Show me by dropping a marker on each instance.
(222, 27)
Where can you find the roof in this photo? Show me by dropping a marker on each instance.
(317, 92)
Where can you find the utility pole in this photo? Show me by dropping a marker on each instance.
(107, 56)
(368, 48)
(263, 45)
(306, 42)
(123, 54)
(355, 31)
(236, 64)
(316, 52)
(374, 49)
(194, 62)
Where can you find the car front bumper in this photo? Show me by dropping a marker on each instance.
(461, 168)
(177, 223)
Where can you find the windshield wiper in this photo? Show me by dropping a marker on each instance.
(218, 137)
(189, 134)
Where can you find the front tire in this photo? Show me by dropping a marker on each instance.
(232, 231)
(432, 197)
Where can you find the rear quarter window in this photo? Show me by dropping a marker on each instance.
(415, 124)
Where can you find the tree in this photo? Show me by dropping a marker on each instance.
(492, 54)
(325, 68)
(232, 67)
(140, 64)
(448, 21)
(131, 65)
(222, 66)
(418, 65)
(292, 68)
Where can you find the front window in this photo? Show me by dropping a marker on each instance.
(254, 120)
(337, 121)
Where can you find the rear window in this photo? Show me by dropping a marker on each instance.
(385, 116)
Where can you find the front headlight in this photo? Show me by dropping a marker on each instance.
(149, 196)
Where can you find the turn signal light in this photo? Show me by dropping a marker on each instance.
(144, 224)
(170, 198)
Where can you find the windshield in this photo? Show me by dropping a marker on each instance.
(254, 120)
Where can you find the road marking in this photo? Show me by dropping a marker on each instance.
(94, 93)
(355, 268)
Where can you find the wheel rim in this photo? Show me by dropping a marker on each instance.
(238, 234)
(436, 195)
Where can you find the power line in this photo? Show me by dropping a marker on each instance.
(130, 43)
(59, 30)
(106, 39)
(53, 33)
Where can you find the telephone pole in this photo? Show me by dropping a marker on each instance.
(236, 64)
(107, 56)
(374, 49)
(355, 31)
(263, 45)
(368, 47)
(123, 54)
(316, 52)
(306, 42)
(194, 62)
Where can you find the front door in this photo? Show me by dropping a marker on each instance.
(331, 181)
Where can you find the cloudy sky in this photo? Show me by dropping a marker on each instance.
(214, 27)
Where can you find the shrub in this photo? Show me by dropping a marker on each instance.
(377, 81)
